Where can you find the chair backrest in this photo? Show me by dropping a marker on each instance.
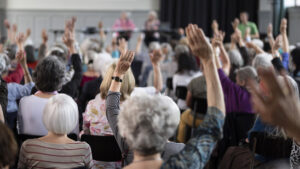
(104, 148)
(199, 105)
(181, 92)
(270, 146)
(170, 83)
(136, 68)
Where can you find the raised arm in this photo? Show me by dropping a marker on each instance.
(139, 44)
(156, 58)
(257, 49)
(223, 54)
(198, 150)
(283, 32)
(270, 34)
(43, 46)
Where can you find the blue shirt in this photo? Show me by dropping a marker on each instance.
(15, 92)
(198, 150)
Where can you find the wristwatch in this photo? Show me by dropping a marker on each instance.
(116, 78)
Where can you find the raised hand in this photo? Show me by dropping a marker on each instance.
(281, 107)
(283, 26)
(215, 26)
(68, 38)
(124, 63)
(218, 39)
(21, 57)
(28, 32)
(6, 24)
(14, 27)
(100, 25)
(278, 43)
(198, 43)
(156, 57)
(20, 39)
(44, 36)
(270, 30)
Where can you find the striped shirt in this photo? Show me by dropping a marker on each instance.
(38, 154)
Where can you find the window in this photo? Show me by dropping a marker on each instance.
(291, 3)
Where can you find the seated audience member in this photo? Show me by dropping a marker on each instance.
(17, 91)
(152, 27)
(124, 25)
(8, 148)
(91, 88)
(187, 70)
(4, 62)
(91, 73)
(56, 150)
(281, 108)
(30, 54)
(246, 25)
(134, 129)
(49, 76)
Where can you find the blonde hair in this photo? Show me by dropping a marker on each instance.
(127, 85)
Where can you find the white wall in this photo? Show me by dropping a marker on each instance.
(80, 4)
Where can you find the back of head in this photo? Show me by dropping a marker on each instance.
(102, 62)
(186, 62)
(236, 59)
(8, 148)
(60, 50)
(127, 85)
(147, 122)
(29, 50)
(179, 49)
(60, 114)
(246, 73)
(262, 60)
(4, 63)
(11, 51)
(49, 74)
(154, 46)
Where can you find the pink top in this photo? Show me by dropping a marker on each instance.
(15, 76)
(123, 25)
(86, 79)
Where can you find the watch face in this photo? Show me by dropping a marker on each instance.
(117, 79)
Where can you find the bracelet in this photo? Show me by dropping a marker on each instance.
(117, 79)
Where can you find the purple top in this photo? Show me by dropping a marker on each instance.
(237, 99)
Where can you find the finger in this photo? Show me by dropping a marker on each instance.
(132, 56)
(189, 35)
(270, 80)
(194, 32)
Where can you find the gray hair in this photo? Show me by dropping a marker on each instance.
(154, 46)
(235, 58)
(153, 13)
(168, 46)
(179, 49)
(262, 60)
(246, 73)
(147, 122)
(102, 62)
(60, 114)
(4, 63)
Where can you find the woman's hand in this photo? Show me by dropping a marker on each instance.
(124, 63)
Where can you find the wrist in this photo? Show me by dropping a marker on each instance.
(117, 74)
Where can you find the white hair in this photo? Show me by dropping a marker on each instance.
(154, 46)
(4, 63)
(246, 73)
(102, 62)
(148, 121)
(262, 60)
(60, 114)
(235, 58)
(153, 13)
(258, 43)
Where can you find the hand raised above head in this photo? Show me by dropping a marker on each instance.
(270, 30)
(156, 57)
(124, 62)
(6, 24)
(44, 35)
(21, 57)
(283, 26)
(123, 45)
(198, 43)
(20, 39)
(68, 38)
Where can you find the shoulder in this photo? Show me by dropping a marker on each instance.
(27, 99)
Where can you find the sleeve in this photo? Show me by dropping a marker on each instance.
(15, 76)
(277, 64)
(23, 90)
(245, 55)
(285, 60)
(227, 84)
(42, 51)
(197, 151)
(88, 161)
(254, 29)
(72, 86)
(22, 163)
(112, 112)
(295, 156)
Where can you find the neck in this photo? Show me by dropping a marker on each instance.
(45, 94)
(139, 158)
(55, 138)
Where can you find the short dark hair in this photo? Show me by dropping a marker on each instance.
(29, 50)
(49, 74)
(186, 62)
(8, 148)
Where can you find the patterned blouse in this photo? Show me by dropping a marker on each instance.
(295, 156)
(94, 118)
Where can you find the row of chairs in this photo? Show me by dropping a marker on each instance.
(104, 148)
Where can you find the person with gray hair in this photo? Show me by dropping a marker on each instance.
(262, 60)
(152, 124)
(56, 150)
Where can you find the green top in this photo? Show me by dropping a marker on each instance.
(253, 28)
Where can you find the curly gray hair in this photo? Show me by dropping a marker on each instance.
(147, 122)
(262, 60)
